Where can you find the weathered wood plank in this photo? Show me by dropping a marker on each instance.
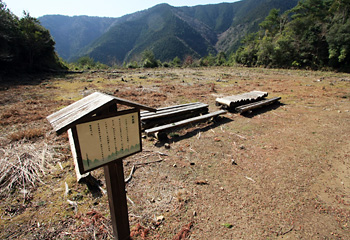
(76, 105)
(165, 120)
(236, 100)
(75, 158)
(170, 108)
(170, 112)
(72, 117)
(184, 122)
(255, 105)
(161, 111)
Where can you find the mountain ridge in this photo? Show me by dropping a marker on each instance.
(166, 30)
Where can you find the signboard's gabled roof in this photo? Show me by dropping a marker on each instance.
(96, 102)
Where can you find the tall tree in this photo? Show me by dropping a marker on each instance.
(25, 44)
(308, 27)
(38, 46)
(148, 59)
(338, 36)
(9, 33)
(317, 36)
(271, 24)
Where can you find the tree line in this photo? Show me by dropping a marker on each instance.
(24, 44)
(315, 35)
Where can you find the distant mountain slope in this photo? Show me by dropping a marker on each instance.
(73, 33)
(168, 31)
(248, 15)
(158, 29)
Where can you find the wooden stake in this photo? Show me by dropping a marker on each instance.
(114, 175)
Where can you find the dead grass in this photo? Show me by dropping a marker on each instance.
(92, 225)
(27, 134)
(24, 112)
(23, 165)
(280, 172)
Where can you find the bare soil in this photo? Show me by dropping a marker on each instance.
(281, 172)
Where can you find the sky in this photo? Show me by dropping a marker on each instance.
(100, 8)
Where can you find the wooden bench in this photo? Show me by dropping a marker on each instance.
(254, 105)
(172, 114)
(161, 131)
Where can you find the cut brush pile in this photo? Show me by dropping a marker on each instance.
(22, 165)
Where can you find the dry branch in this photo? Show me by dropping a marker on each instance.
(134, 168)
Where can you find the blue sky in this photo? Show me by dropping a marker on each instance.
(101, 8)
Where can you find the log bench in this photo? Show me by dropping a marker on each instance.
(172, 114)
(248, 107)
(161, 131)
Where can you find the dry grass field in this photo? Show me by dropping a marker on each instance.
(281, 172)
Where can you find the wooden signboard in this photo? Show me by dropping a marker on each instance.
(105, 140)
(102, 136)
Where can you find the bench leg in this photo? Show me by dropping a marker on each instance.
(161, 136)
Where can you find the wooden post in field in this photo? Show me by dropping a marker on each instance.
(114, 175)
(102, 136)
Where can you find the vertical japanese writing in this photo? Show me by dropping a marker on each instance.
(127, 132)
(109, 139)
(114, 137)
(121, 135)
(100, 139)
(91, 132)
(107, 136)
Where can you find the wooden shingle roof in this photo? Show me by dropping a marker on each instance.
(96, 102)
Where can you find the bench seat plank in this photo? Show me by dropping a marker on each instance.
(184, 122)
(171, 112)
(170, 108)
(255, 105)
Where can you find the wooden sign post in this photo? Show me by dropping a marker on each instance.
(104, 139)
(114, 174)
(106, 142)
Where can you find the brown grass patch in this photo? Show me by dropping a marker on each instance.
(28, 134)
(93, 226)
(19, 114)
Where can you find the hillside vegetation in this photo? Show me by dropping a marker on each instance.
(315, 34)
(73, 33)
(167, 31)
(24, 44)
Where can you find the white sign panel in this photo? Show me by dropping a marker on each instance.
(103, 141)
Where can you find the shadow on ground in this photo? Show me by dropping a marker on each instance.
(93, 185)
(259, 111)
(194, 132)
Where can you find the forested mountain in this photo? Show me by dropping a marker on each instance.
(74, 33)
(315, 34)
(167, 31)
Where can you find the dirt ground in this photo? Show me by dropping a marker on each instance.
(281, 172)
